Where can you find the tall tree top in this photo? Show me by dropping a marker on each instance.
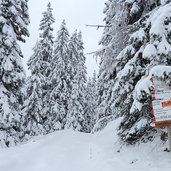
(80, 40)
(47, 21)
(61, 43)
(73, 43)
(63, 29)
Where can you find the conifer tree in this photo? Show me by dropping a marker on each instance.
(75, 116)
(113, 40)
(13, 27)
(121, 68)
(91, 103)
(134, 9)
(60, 80)
(148, 47)
(33, 118)
(38, 86)
(46, 41)
(76, 109)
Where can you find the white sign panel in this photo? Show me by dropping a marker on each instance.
(162, 101)
(161, 112)
(162, 90)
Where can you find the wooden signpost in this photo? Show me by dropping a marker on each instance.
(161, 103)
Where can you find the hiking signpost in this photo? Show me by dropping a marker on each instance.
(161, 105)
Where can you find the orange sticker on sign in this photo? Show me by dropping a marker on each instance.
(166, 103)
(162, 124)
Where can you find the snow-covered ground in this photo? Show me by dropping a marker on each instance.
(73, 151)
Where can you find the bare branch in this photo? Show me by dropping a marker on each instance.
(98, 26)
(90, 53)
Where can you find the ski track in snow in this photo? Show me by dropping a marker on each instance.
(74, 151)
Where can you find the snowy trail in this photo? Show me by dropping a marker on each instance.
(61, 150)
(74, 151)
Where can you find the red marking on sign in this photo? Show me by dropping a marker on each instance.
(161, 99)
(166, 103)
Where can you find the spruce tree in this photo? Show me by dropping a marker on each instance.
(38, 85)
(33, 106)
(132, 63)
(76, 109)
(123, 66)
(46, 41)
(113, 40)
(134, 9)
(148, 47)
(75, 116)
(91, 103)
(13, 27)
(60, 80)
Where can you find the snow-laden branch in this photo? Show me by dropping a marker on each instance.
(144, 86)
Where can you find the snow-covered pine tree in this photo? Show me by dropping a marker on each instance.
(91, 103)
(33, 118)
(117, 81)
(13, 26)
(76, 108)
(134, 9)
(46, 41)
(82, 71)
(73, 54)
(148, 47)
(113, 41)
(75, 116)
(38, 84)
(60, 80)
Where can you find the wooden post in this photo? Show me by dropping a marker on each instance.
(169, 136)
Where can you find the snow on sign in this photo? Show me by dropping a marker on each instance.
(161, 103)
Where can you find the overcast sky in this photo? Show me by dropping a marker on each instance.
(77, 14)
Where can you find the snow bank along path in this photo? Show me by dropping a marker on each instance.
(73, 151)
